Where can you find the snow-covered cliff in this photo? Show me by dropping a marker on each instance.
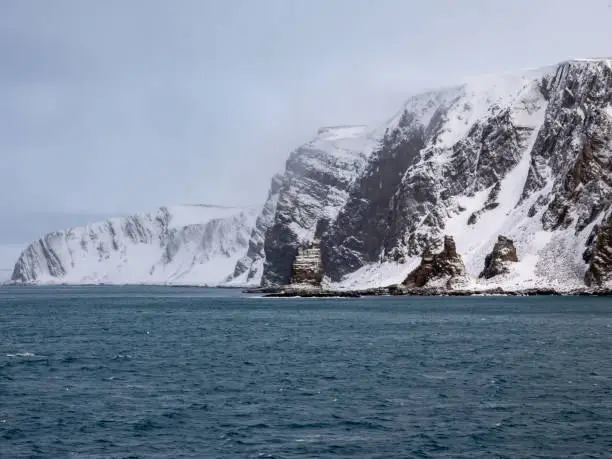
(525, 156)
(175, 245)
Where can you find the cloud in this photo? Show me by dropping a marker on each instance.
(122, 106)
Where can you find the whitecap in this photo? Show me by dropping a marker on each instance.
(122, 356)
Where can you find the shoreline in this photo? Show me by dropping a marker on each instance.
(289, 292)
(314, 292)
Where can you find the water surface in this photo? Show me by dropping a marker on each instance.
(151, 372)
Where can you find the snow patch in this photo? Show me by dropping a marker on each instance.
(375, 275)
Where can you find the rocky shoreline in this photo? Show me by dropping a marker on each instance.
(290, 292)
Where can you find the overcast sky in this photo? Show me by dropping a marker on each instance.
(117, 106)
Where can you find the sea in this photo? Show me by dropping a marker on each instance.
(168, 372)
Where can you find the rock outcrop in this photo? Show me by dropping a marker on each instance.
(599, 256)
(445, 268)
(307, 269)
(497, 262)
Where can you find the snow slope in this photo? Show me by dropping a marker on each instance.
(196, 245)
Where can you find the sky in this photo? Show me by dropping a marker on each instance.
(110, 107)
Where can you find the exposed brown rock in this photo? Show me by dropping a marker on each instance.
(600, 256)
(446, 264)
(496, 262)
(307, 269)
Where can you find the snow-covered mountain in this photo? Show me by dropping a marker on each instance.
(525, 156)
(175, 245)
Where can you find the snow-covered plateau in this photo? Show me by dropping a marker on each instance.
(179, 245)
(526, 156)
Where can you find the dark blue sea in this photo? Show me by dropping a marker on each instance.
(143, 372)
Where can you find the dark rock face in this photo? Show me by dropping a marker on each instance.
(315, 185)
(307, 269)
(599, 256)
(361, 227)
(573, 145)
(492, 147)
(496, 262)
(446, 265)
(281, 247)
(321, 228)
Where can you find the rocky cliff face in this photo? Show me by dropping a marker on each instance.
(572, 152)
(599, 255)
(497, 262)
(178, 245)
(306, 269)
(314, 186)
(444, 269)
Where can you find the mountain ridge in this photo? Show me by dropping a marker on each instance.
(453, 147)
(173, 245)
(526, 156)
